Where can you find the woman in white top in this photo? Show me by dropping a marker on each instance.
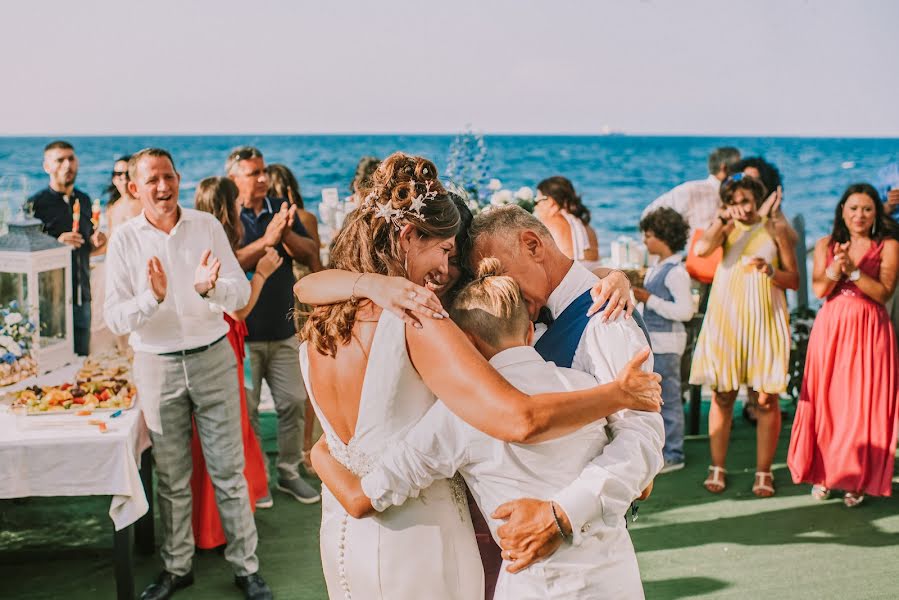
(425, 548)
(568, 220)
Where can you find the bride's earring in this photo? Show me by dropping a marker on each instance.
(406, 264)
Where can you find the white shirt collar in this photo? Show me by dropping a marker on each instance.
(674, 258)
(185, 215)
(577, 281)
(712, 180)
(513, 356)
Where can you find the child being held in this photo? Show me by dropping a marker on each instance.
(493, 314)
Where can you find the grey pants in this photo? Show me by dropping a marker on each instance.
(205, 385)
(278, 363)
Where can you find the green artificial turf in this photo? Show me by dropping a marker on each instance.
(690, 544)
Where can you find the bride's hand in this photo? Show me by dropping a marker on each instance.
(642, 390)
(616, 289)
(401, 297)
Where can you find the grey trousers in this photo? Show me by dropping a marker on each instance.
(278, 363)
(205, 385)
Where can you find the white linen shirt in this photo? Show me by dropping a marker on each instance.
(610, 482)
(680, 310)
(496, 472)
(696, 201)
(184, 319)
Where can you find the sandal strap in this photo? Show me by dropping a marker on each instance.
(715, 470)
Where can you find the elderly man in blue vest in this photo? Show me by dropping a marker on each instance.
(606, 488)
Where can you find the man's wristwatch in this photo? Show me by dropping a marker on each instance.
(855, 275)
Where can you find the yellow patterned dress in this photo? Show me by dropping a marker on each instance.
(745, 337)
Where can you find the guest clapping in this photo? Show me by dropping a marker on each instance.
(745, 339)
(844, 434)
(560, 208)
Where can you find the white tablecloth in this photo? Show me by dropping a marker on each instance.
(62, 455)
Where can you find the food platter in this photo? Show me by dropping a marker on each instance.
(103, 384)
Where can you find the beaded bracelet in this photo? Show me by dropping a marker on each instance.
(552, 506)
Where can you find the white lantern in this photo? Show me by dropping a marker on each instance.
(36, 272)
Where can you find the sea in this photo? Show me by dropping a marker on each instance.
(616, 175)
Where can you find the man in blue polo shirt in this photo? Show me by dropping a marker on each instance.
(270, 222)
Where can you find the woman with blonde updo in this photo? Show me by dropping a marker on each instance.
(406, 227)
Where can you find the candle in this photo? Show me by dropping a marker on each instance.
(95, 213)
(76, 215)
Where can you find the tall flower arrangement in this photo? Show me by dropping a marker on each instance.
(467, 170)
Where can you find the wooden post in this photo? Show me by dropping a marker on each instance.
(802, 258)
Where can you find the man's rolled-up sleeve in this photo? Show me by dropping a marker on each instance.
(606, 487)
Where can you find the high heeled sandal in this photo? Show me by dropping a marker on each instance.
(820, 493)
(760, 488)
(715, 482)
(851, 500)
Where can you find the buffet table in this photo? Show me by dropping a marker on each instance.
(65, 455)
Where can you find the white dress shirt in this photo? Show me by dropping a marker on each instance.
(680, 310)
(184, 319)
(608, 484)
(496, 472)
(696, 201)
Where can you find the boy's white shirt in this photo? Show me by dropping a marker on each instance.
(680, 310)
(441, 444)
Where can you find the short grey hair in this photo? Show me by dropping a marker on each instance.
(239, 154)
(508, 221)
(725, 156)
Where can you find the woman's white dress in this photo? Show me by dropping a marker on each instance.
(423, 549)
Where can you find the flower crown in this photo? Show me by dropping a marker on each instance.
(397, 215)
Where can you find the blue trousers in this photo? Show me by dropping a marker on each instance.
(668, 366)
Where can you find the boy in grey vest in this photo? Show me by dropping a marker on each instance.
(666, 304)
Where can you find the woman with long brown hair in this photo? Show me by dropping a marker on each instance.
(844, 433)
(218, 196)
(406, 226)
(568, 220)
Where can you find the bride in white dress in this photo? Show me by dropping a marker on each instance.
(371, 376)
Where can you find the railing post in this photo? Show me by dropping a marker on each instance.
(802, 258)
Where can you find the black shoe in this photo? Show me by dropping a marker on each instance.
(166, 584)
(253, 586)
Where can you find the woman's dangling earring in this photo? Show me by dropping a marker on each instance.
(406, 264)
(874, 229)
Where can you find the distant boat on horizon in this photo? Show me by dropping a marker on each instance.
(607, 130)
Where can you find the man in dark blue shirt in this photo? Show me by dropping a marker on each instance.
(269, 222)
(55, 206)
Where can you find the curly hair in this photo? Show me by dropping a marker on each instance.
(740, 182)
(218, 196)
(369, 243)
(562, 191)
(668, 225)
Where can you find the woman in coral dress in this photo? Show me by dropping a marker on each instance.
(844, 434)
(218, 195)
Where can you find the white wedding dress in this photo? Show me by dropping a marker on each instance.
(423, 549)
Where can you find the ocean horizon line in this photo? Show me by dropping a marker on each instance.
(614, 134)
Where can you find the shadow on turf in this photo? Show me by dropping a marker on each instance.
(682, 587)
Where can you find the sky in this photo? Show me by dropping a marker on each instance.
(694, 67)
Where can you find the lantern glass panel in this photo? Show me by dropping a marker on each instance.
(52, 286)
(13, 288)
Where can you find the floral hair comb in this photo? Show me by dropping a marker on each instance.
(397, 215)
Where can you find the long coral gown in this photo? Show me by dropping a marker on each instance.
(844, 434)
(207, 525)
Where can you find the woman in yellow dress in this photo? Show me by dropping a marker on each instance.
(745, 337)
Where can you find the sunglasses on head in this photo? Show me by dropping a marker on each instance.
(734, 178)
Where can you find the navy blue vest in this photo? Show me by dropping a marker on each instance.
(561, 340)
(656, 286)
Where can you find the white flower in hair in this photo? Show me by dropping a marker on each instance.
(386, 211)
(418, 203)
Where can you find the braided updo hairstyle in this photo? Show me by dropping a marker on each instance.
(370, 243)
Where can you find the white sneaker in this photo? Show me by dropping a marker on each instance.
(672, 465)
(265, 502)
